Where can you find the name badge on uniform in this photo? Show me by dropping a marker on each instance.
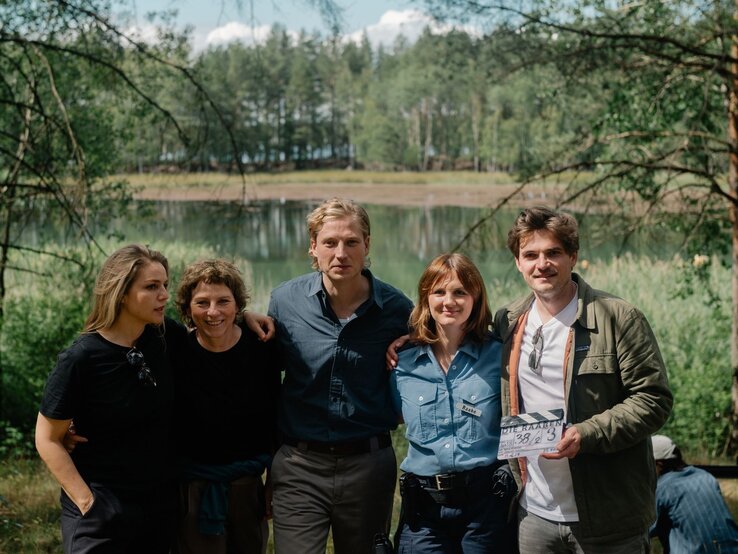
(469, 409)
(530, 434)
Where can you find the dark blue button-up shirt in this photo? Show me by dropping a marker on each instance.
(335, 387)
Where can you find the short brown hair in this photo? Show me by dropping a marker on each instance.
(563, 226)
(336, 208)
(213, 272)
(113, 281)
(422, 324)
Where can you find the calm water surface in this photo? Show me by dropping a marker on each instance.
(272, 237)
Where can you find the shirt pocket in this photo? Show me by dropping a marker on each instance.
(597, 385)
(482, 404)
(419, 410)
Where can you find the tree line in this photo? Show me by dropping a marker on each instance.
(314, 101)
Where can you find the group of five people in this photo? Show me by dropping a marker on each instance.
(144, 392)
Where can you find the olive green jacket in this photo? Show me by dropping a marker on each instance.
(617, 396)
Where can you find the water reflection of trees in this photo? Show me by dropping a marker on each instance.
(272, 235)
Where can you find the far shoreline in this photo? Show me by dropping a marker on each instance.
(462, 189)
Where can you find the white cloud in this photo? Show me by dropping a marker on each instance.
(147, 33)
(409, 23)
(234, 31)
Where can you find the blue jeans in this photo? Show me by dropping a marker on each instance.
(477, 526)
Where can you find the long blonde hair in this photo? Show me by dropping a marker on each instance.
(115, 278)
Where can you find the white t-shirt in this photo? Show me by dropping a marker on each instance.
(548, 491)
(344, 320)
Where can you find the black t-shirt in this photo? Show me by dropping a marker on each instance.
(126, 421)
(226, 402)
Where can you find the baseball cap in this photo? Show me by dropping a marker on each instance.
(663, 448)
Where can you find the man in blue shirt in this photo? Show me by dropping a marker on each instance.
(336, 469)
(691, 513)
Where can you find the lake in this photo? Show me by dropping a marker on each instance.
(272, 236)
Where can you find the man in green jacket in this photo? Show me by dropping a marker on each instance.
(568, 346)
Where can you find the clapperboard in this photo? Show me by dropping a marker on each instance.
(530, 433)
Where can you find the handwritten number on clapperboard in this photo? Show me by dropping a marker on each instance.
(551, 432)
(522, 438)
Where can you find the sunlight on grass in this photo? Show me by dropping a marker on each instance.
(29, 508)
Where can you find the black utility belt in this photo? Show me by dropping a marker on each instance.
(457, 489)
(457, 480)
(347, 448)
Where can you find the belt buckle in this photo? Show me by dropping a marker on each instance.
(444, 481)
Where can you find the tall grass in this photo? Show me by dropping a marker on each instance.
(693, 331)
(29, 508)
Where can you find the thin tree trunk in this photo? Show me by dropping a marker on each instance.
(428, 134)
(9, 204)
(419, 143)
(475, 105)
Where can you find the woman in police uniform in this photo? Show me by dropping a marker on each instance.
(447, 387)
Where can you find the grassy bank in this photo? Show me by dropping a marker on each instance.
(29, 508)
(368, 187)
(314, 177)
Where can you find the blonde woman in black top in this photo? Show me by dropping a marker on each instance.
(115, 382)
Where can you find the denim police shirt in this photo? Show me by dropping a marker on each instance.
(335, 386)
(442, 436)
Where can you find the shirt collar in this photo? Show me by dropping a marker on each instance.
(316, 286)
(470, 348)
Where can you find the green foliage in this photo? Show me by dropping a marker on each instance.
(445, 101)
(41, 317)
(692, 331)
(14, 443)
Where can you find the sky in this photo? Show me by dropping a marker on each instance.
(218, 22)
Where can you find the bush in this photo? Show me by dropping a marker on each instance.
(41, 317)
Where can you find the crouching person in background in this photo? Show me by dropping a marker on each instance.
(691, 513)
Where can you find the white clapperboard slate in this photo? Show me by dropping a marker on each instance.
(530, 433)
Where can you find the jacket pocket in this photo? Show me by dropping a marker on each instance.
(419, 411)
(597, 385)
(476, 404)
